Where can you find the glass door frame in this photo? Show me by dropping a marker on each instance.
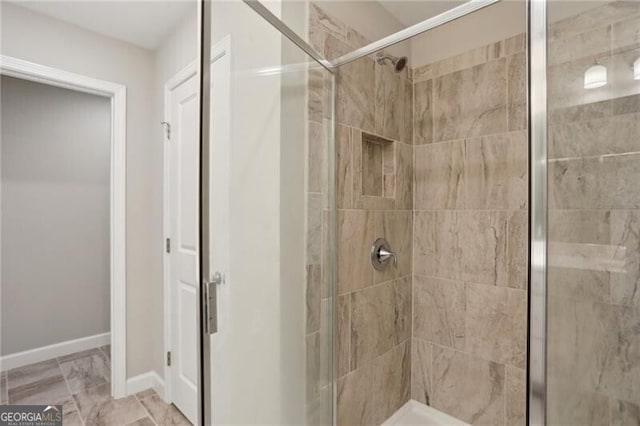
(537, 112)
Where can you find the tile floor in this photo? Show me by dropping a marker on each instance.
(81, 383)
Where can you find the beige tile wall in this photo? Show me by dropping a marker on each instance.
(470, 235)
(594, 253)
(373, 308)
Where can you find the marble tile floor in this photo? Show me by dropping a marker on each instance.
(80, 382)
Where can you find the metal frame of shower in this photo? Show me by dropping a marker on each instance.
(537, 104)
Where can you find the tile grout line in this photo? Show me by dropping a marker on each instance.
(70, 393)
(145, 409)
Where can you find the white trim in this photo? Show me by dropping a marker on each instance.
(44, 353)
(118, 94)
(144, 381)
(182, 76)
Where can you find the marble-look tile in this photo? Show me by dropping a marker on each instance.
(423, 112)
(356, 233)
(517, 249)
(626, 105)
(624, 413)
(4, 388)
(392, 383)
(397, 228)
(313, 297)
(496, 171)
(516, 44)
(145, 393)
(567, 405)
(163, 413)
(573, 184)
(78, 355)
(370, 394)
(423, 242)
(625, 34)
(372, 169)
(70, 414)
(314, 228)
(600, 183)
(343, 330)
(389, 103)
(33, 373)
(625, 237)
(517, 91)
(577, 284)
(355, 39)
(565, 85)
(355, 402)
(424, 72)
(592, 43)
(51, 390)
(316, 95)
(516, 395)
(481, 238)
(315, 157)
(380, 319)
(580, 226)
(465, 60)
(585, 136)
(146, 421)
(610, 12)
(328, 22)
(97, 408)
(439, 176)
(471, 102)
(106, 350)
(312, 365)
(361, 201)
(467, 387)
(89, 371)
(344, 168)
(496, 324)
(439, 311)
(421, 371)
(407, 98)
(619, 375)
(404, 176)
(355, 91)
(447, 252)
(327, 329)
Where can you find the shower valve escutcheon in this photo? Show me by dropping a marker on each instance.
(381, 255)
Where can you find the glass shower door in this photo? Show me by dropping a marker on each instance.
(268, 209)
(593, 281)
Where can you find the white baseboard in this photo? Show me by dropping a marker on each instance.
(148, 380)
(20, 359)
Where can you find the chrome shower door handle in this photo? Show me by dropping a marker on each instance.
(381, 253)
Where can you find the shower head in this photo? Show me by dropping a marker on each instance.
(398, 63)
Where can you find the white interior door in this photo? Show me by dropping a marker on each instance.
(183, 211)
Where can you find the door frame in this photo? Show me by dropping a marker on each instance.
(117, 93)
(218, 51)
(183, 75)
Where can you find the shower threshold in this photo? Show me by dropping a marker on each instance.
(415, 413)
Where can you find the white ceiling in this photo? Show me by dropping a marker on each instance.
(412, 12)
(142, 23)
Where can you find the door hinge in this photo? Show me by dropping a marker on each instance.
(167, 128)
(169, 358)
(168, 245)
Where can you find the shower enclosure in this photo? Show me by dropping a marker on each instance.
(493, 145)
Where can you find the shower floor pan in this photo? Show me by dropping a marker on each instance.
(414, 413)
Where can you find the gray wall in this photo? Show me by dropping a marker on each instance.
(55, 215)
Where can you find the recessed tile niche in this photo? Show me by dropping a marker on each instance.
(378, 166)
